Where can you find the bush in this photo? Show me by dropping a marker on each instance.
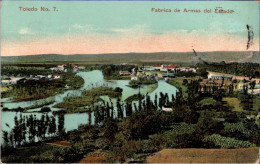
(194, 140)
(45, 109)
(157, 142)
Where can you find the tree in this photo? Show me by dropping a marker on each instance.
(61, 129)
(184, 82)
(191, 117)
(120, 113)
(252, 86)
(128, 109)
(45, 109)
(6, 139)
(203, 72)
(52, 125)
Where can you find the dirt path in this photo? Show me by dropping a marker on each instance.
(61, 143)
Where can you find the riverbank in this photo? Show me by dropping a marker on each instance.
(136, 83)
(87, 98)
(117, 77)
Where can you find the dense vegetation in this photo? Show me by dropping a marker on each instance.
(194, 123)
(251, 70)
(25, 70)
(87, 98)
(134, 97)
(39, 89)
(111, 72)
(126, 130)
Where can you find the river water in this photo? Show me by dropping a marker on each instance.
(92, 79)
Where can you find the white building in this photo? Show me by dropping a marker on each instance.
(167, 109)
(10, 80)
(56, 76)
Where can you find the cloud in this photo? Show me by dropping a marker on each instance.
(135, 28)
(24, 31)
(87, 27)
(77, 26)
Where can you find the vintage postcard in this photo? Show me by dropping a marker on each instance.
(130, 81)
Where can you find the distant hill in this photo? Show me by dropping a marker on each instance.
(159, 57)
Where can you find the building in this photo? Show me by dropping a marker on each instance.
(219, 77)
(81, 67)
(10, 80)
(56, 76)
(134, 78)
(59, 68)
(148, 68)
(187, 69)
(157, 67)
(171, 67)
(167, 109)
(123, 73)
(169, 75)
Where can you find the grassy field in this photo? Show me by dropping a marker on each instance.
(256, 104)
(177, 82)
(6, 88)
(245, 155)
(234, 103)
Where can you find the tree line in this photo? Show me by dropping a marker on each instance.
(30, 129)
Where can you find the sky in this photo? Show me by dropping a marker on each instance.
(121, 27)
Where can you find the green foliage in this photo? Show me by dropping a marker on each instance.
(134, 97)
(72, 80)
(250, 70)
(157, 142)
(237, 127)
(181, 128)
(136, 83)
(227, 142)
(209, 101)
(45, 109)
(61, 129)
(88, 97)
(25, 70)
(176, 130)
(39, 89)
(110, 130)
(42, 153)
(202, 72)
(141, 124)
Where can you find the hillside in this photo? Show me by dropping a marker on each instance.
(160, 57)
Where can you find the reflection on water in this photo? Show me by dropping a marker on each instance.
(92, 79)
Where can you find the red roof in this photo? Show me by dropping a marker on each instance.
(156, 65)
(171, 66)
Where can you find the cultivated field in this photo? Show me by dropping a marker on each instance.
(246, 155)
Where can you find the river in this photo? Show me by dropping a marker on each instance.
(92, 79)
